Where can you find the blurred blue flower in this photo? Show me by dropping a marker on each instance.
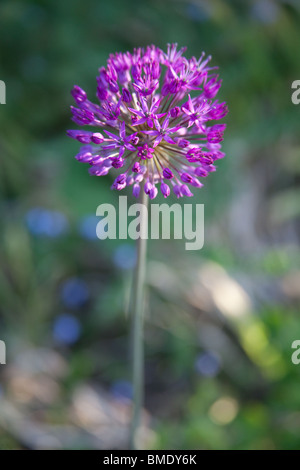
(66, 329)
(207, 364)
(265, 11)
(125, 256)
(122, 390)
(44, 222)
(74, 292)
(87, 227)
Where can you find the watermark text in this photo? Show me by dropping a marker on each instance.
(296, 94)
(296, 354)
(2, 92)
(2, 352)
(161, 221)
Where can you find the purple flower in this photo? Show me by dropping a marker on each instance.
(185, 190)
(212, 86)
(148, 187)
(215, 133)
(147, 113)
(146, 122)
(121, 142)
(196, 111)
(78, 94)
(145, 152)
(186, 178)
(136, 190)
(167, 173)
(165, 189)
(120, 182)
(162, 132)
(126, 96)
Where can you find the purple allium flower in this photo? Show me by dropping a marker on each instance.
(147, 123)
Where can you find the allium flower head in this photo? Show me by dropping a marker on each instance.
(154, 122)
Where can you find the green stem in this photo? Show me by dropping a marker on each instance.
(137, 325)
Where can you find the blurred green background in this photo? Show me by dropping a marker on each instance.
(220, 321)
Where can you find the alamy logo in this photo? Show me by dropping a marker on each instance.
(2, 92)
(296, 354)
(296, 94)
(2, 352)
(188, 222)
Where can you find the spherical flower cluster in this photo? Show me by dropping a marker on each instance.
(154, 122)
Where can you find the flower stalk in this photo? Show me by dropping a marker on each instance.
(138, 305)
